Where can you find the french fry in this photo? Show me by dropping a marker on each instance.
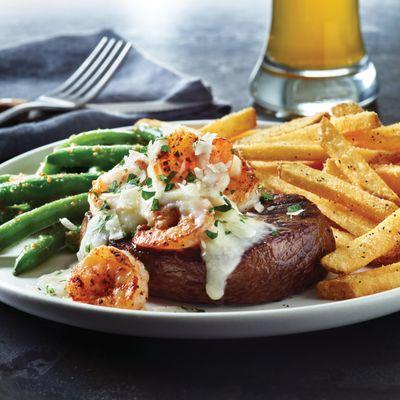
(341, 216)
(366, 248)
(352, 164)
(361, 283)
(258, 135)
(343, 109)
(331, 168)
(335, 189)
(283, 151)
(233, 124)
(379, 156)
(342, 238)
(382, 138)
(348, 123)
(271, 167)
(390, 174)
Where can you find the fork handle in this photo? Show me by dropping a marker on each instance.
(23, 108)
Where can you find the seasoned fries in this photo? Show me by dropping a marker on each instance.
(352, 164)
(361, 283)
(343, 109)
(335, 189)
(341, 216)
(366, 248)
(350, 123)
(233, 124)
(259, 135)
(283, 151)
(390, 174)
(342, 238)
(382, 138)
(358, 189)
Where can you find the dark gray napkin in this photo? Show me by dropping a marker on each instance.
(35, 68)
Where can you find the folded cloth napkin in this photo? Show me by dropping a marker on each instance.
(32, 69)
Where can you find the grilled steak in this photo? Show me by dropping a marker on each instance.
(276, 267)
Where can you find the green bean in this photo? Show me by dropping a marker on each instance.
(47, 244)
(45, 188)
(47, 168)
(10, 212)
(138, 135)
(42, 217)
(104, 157)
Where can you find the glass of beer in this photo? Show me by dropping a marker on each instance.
(315, 58)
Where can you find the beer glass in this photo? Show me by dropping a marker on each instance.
(315, 58)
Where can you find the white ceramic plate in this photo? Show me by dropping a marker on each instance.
(300, 313)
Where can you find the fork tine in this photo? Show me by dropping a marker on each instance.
(101, 57)
(82, 68)
(104, 76)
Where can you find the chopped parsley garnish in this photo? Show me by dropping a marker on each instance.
(147, 195)
(233, 191)
(50, 291)
(113, 187)
(223, 207)
(275, 233)
(105, 205)
(148, 182)
(155, 205)
(168, 187)
(266, 197)
(216, 222)
(167, 180)
(211, 235)
(228, 232)
(294, 208)
(88, 247)
(191, 177)
(143, 150)
(165, 148)
(133, 179)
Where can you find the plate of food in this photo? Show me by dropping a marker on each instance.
(207, 229)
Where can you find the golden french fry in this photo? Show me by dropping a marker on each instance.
(331, 168)
(352, 164)
(311, 132)
(283, 151)
(350, 221)
(272, 166)
(361, 283)
(382, 138)
(390, 174)
(342, 238)
(259, 135)
(232, 124)
(366, 248)
(343, 109)
(379, 156)
(335, 189)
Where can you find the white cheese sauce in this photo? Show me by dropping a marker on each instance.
(54, 284)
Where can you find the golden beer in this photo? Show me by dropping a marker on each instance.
(315, 58)
(315, 34)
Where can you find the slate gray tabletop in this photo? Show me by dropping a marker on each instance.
(219, 41)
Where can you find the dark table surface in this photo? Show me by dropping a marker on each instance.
(219, 41)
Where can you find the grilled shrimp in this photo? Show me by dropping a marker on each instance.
(109, 277)
(181, 160)
(119, 174)
(185, 232)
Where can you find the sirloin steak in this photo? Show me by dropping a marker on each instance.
(273, 269)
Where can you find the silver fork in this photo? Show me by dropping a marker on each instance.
(83, 85)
